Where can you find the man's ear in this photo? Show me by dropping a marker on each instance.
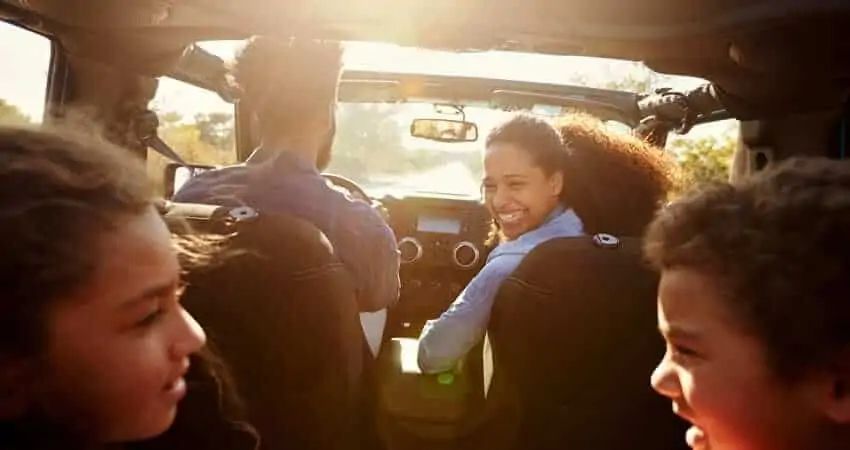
(835, 389)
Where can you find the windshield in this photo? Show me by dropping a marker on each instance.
(373, 147)
(373, 143)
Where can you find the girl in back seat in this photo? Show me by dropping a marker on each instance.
(94, 345)
(542, 183)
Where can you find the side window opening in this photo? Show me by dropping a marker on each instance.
(706, 152)
(196, 123)
(23, 80)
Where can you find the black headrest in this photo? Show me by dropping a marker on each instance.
(574, 333)
(281, 309)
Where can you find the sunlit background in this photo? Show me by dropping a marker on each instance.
(198, 123)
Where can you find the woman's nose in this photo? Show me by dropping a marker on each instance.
(663, 379)
(190, 335)
(500, 198)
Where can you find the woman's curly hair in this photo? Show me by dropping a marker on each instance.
(614, 182)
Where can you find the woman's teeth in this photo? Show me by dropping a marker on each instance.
(511, 217)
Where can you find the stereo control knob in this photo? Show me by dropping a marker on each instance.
(410, 250)
(466, 254)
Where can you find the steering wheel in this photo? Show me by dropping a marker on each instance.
(373, 323)
(349, 185)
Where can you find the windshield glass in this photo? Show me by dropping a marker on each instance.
(373, 144)
(373, 147)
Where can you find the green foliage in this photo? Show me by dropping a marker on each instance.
(208, 139)
(12, 115)
(217, 130)
(632, 83)
(370, 143)
(705, 159)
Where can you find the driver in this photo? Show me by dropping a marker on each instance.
(292, 87)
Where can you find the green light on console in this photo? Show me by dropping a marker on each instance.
(446, 378)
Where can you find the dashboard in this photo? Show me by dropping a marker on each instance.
(442, 241)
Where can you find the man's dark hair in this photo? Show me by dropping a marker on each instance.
(778, 246)
(288, 82)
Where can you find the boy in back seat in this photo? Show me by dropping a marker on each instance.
(754, 303)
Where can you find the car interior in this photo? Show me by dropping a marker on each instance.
(316, 373)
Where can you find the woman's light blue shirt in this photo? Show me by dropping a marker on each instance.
(449, 338)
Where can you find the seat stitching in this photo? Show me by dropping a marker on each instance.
(527, 285)
(318, 270)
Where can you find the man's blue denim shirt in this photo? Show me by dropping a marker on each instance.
(445, 341)
(288, 184)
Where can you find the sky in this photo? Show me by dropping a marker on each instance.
(22, 83)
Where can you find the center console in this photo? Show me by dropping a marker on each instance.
(442, 245)
(442, 241)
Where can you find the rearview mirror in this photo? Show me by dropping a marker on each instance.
(176, 175)
(444, 130)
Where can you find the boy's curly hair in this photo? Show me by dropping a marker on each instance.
(778, 243)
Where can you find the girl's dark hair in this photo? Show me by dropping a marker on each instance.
(615, 183)
(60, 191)
(58, 194)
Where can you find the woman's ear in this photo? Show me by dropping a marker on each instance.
(556, 183)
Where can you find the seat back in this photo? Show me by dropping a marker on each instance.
(574, 340)
(280, 309)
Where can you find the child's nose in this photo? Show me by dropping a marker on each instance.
(664, 379)
(192, 336)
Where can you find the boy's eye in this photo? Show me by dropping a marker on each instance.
(682, 352)
(516, 184)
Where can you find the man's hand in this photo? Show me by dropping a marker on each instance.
(379, 207)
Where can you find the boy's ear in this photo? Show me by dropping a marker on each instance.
(836, 389)
(16, 386)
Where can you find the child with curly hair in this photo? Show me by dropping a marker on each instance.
(754, 303)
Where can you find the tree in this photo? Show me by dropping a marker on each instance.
(208, 139)
(705, 159)
(217, 129)
(12, 115)
(368, 140)
(702, 159)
